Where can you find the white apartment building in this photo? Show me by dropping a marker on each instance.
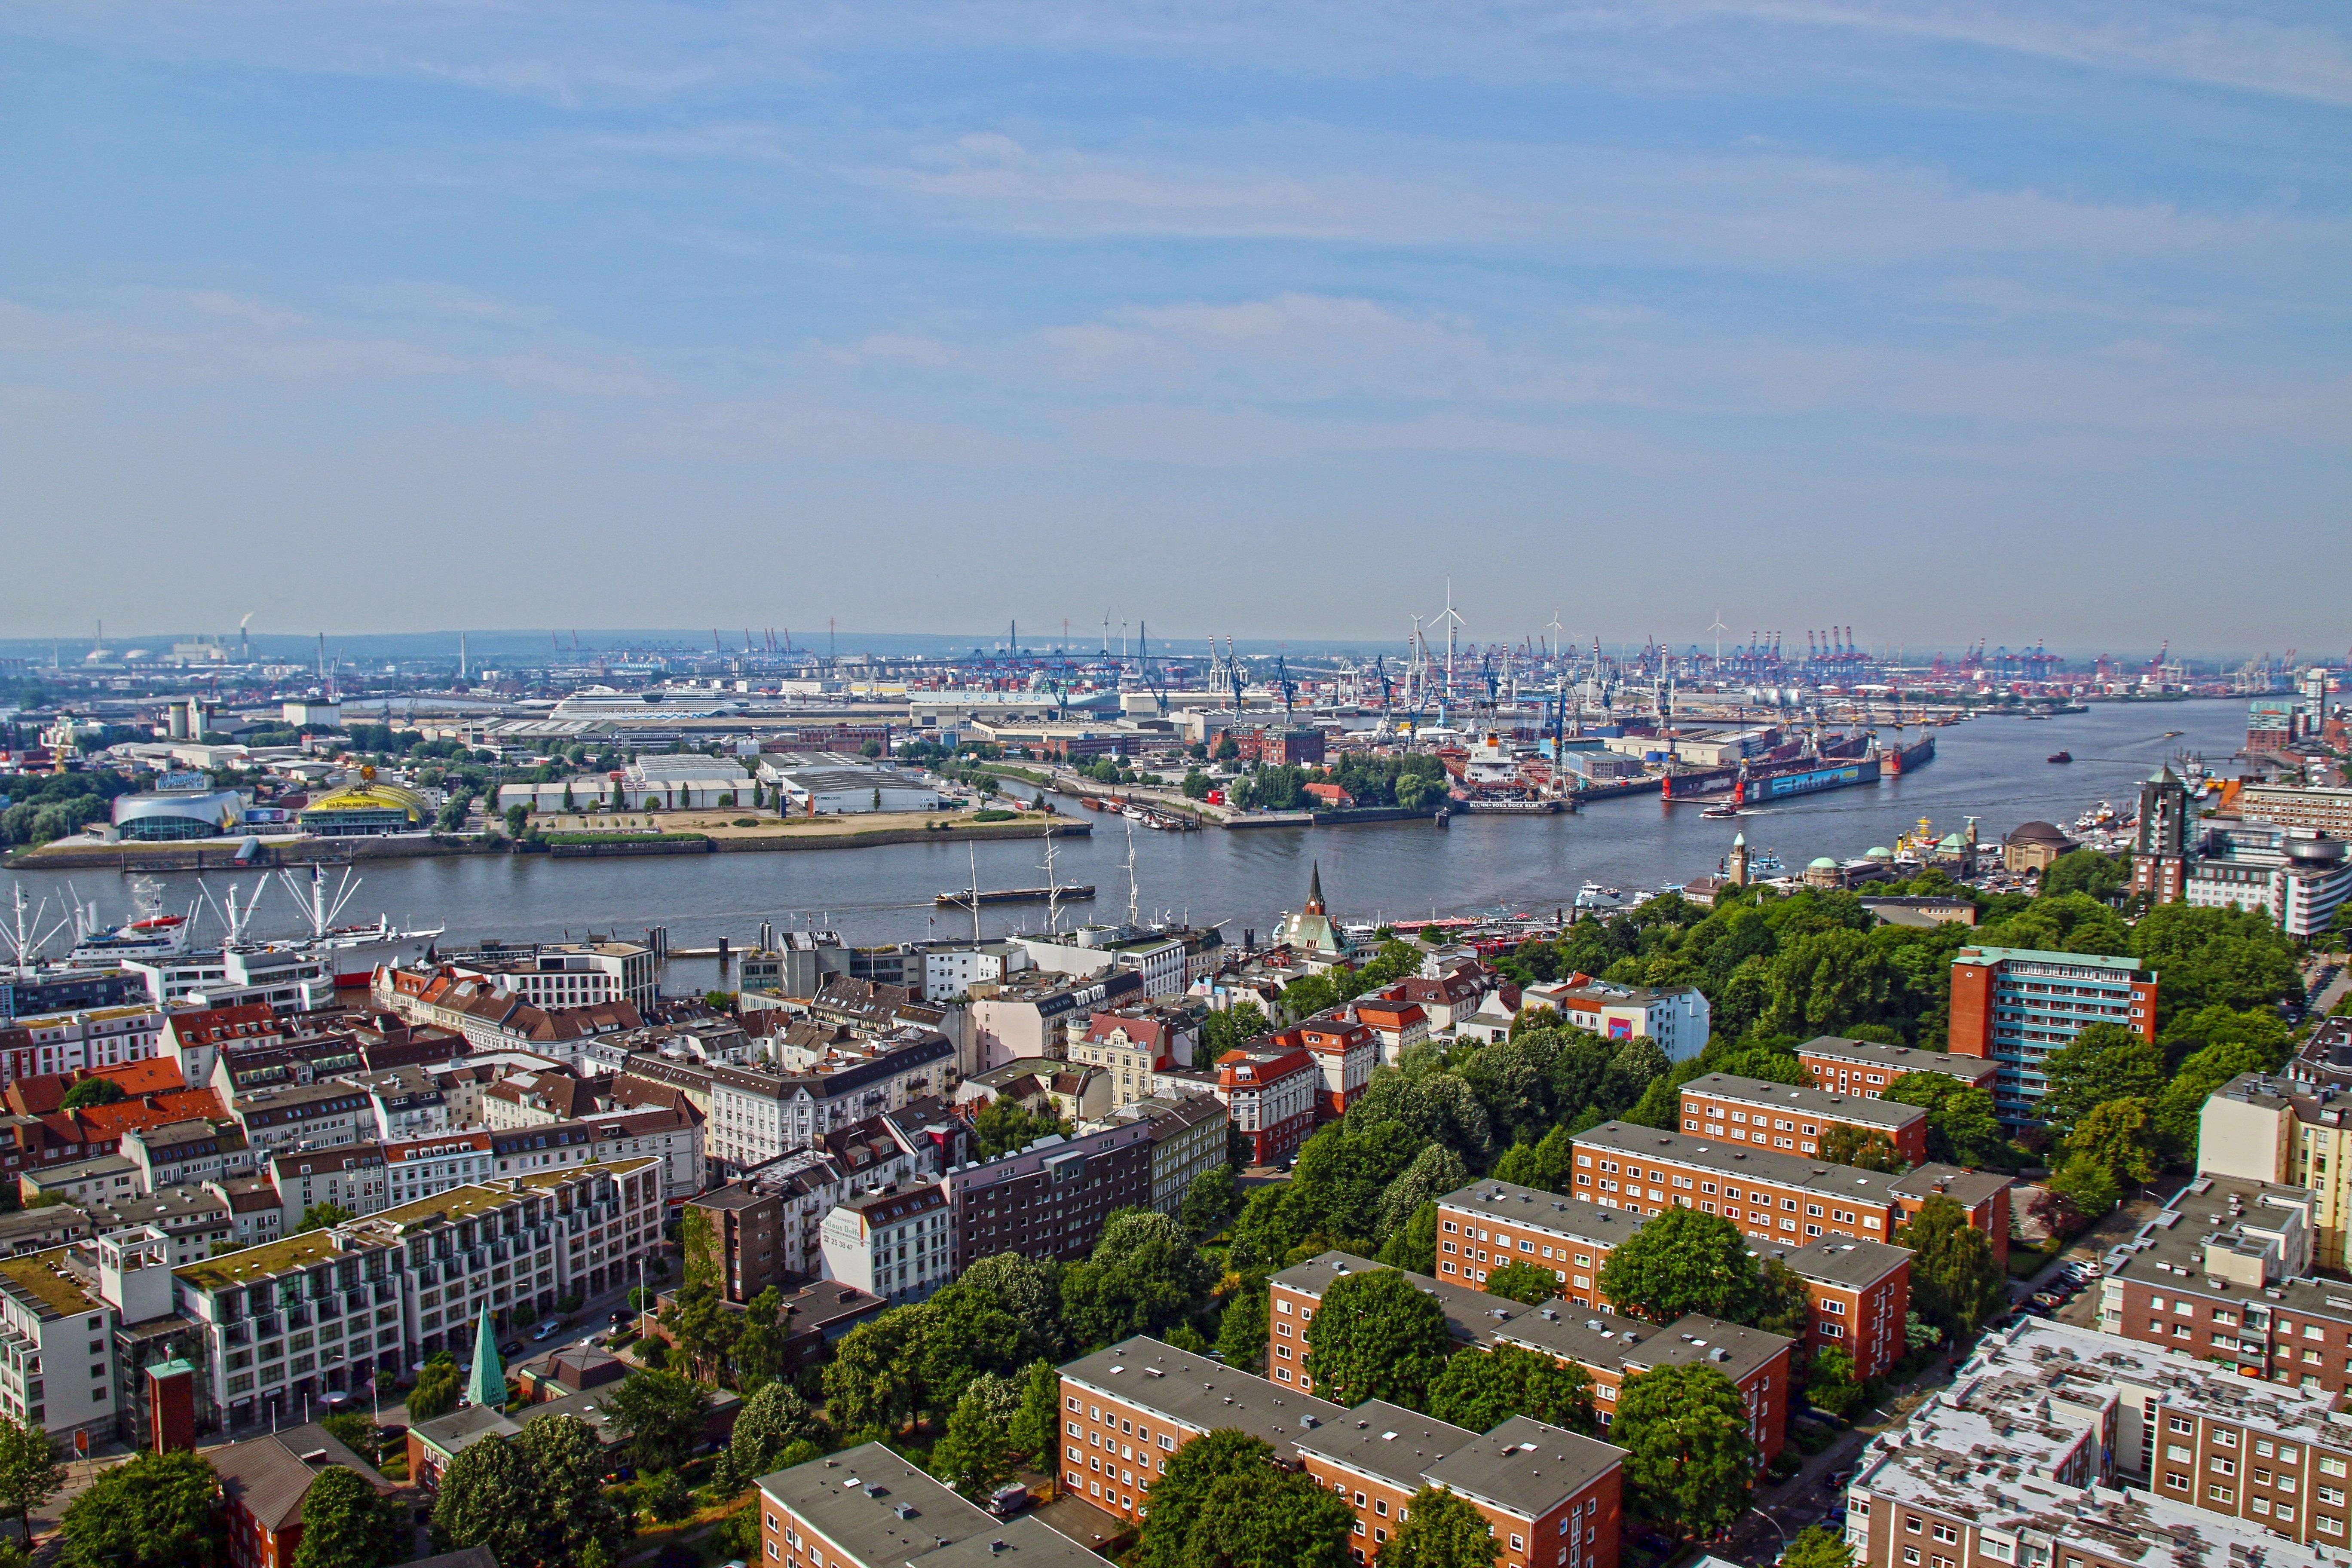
(351, 1177)
(894, 1244)
(758, 1114)
(427, 1167)
(317, 1313)
(1676, 1018)
(951, 972)
(57, 1367)
(45, 1043)
(575, 974)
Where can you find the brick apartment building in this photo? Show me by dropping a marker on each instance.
(868, 1508)
(1861, 1293)
(1552, 1496)
(1050, 1199)
(2014, 1006)
(1726, 1107)
(1775, 1198)
(1868, 1069)
(1273, 1092)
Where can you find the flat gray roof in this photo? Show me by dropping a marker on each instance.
(1898, 1059)
(1203, 1394)
(1607, 1339)
(1525, 1467)
(1387, 1442)
(1625, 1139)
(1843, 1262)
(1470, 1312)
(1829, 1105)
(879, 1511)
(1540, 1210)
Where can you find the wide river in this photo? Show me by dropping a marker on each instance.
(1993, 768)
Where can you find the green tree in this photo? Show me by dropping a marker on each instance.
(976, 1451)
(1414, 1247)
(1145, 1273)
(1242, 1330)
(2120, 1135)
(1832, 1385)
(1377, 1336)
(1689, 1460)
(1814, 1547)
(1225, 1503)
(487, 1499)
(1480, 1389)
(516, 815)
(565, 1464)
(1034, 1429)
(1683, 1261)
(2088, 1185)
(30, 1471)
(1003, 1126)
(1210, 1201)
(152, 1511)
(1177, 1496)
(1956, 1281)
(1962, 1129)
(1441, 1530)
(1520, 1280)
(770, 1421)
(1030, 1288)
(1861, 1148)
(661, 1415)
(436, 1393)
(91, 1092)
(346, 1524)
(2103, 1062)
(323, 1216)
(873, 1381)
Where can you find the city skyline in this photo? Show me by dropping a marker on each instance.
(1992, 320)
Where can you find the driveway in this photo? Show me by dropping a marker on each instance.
(1779, 1511)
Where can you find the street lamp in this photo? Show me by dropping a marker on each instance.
(1775, 1527)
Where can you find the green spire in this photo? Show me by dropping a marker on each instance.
(486, 1383)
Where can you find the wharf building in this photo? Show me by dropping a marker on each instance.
(2015, 1005)
(1726, 1107)
(1553, 1498)
(1867, 1068)
(1612, 1350)
(2053, 1443)
(1773, 1198)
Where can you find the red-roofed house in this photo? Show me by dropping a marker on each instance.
(1271, 1090)
(1396, 1025)
(1346, 1052)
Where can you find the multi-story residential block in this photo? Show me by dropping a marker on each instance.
(1774, 1198)
(1867, 1068)
(1676, 1016)
(1397, 1026)
(2015, 1005)
(745, 1236)
(1616, 1351)
(186, 1153)
(418, 1168)
(1861, 1296)
(898, 1244)
(1961, 1483)
(41, 1229)
(1485, 1225)
(253, 1210)
(319, 1313)
(193, 1221)
(57, 1374)
(1272, 1091)
(2223, 1273)
(263, 1481)
(851, 1510)
(1345, 1050)
(573, 974)
(1726, 1107)
(1050, 1199)
(1189, 1136)
(673, 1137)
(1133, 1043)
(1039, 1015)
(1296, 1294)
(327, 1112)
(537, 1100)
(69, 1042)
(195, 1036)
(1551, 1497)
(2277, 1131)
(351, 1176)
(761, 1112)
(2316, 809)
(83, 1181)
(2083, 1408)
(406, 1102)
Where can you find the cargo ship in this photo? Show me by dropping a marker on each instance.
(960, 898)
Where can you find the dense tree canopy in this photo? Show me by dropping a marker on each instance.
(152, 1511)
(1684, 1261)
(1480, 1389)
(1145, 1273)
(1688, 1459)
(1201, 1508)
(1956, 1282)
(1376, 1335)
(345, 1525)
(1441, 1530)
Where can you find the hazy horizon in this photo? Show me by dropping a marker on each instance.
(2020, 320)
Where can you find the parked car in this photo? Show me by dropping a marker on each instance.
(511, 1348)
(546, 1331)
(618, 1319)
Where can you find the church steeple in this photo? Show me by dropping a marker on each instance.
(1315, 890)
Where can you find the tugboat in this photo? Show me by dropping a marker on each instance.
(2061, 756)
(1723, 808)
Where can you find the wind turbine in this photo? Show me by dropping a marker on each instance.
(1452, 621)
(1718, 629)
(1551, 643)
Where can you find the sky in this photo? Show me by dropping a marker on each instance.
(1939, 319)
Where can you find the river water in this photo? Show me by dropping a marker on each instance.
(1993, 768)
